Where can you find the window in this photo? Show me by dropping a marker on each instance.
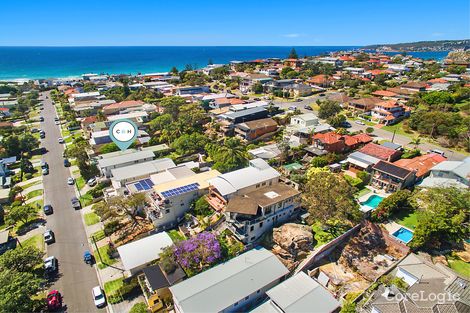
(260, 224)
(247, 297)
(252, 228)
(257, 185)
(264, 184)
(235, 304)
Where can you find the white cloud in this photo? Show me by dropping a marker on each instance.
(291, 35)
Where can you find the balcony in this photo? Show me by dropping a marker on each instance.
(216, 201)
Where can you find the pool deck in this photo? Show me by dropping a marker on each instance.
(392, 227)
(373, 191)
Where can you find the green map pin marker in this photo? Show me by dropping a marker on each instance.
(123, 133)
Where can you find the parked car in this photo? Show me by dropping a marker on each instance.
(49, 236)
(48, 210)
(70, 181)
(51, 265)
(360, 122)
(57, 122)
(308, 107)
(98, 297)
(437, 151)
(34, 130)
(41, 119)
(66, 162)
(56, 119)
(61, 140)
(345, 125)
(293, 108)
(91, 182)
(298, 100)
(76, 203)
(42, 134)
(54, 301)
(45, 171)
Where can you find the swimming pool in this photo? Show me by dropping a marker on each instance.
(373, 201)
(403, 235)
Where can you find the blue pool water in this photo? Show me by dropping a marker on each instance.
(373, 201)
(403, 234)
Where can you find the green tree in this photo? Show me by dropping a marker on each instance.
(171, 105)
(160, 122)
(257, 88)
(190, 143)
(369, 130)
(17, 290)
(328, 109)
(399, 200)
(319, 161)
(328, 196)
(129, 206)
(21, 213)
(201, 207)
(21, 259)
(230, 156)
(416, 141)
(443, 217)
(336, 120)
(293, 54)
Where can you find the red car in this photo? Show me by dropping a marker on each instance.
(54, 300)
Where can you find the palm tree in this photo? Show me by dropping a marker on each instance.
(416, 142)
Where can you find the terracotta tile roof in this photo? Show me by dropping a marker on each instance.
(377, 151)
(437, 81)
(319, 79)
(4, 109)
(363, 138)
(90, 119)
(230, 101)
(384, 93)
(328, 138)
(414, 85)
(388, 104)
(422, 164)
(124, 104)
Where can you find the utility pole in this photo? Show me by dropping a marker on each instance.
(394, 132)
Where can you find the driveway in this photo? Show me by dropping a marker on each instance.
(75, 279)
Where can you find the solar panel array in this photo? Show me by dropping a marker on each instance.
(180, 190)
(145, 184)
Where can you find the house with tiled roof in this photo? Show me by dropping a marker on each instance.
(429, 288)
(363, 105)
(335, 143)
(384, 94)
(414, 86)
(121, 106)
(381, 152)
(391, 177)
(389, 112)
(421, 164)
(256, 129)
(321, 80)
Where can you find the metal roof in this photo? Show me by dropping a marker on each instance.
(143, 251)
(221, 286)
(141, 169)
(129, 157)
(298, 293)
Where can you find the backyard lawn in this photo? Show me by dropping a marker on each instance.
(321, 236)
(36, 241)
(407, 218)
(91, 218)
(461, 267)
(99, 235)
(399, 130)
(34, 193)
(362, 192)
(176, 236)
(105, 260)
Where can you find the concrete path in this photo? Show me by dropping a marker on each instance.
(38, 186)
(33, 199)
(29, 181)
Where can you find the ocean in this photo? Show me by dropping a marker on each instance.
(54, 62)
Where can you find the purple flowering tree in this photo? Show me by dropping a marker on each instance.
(197, 253)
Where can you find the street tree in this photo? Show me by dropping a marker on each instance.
(21, 259)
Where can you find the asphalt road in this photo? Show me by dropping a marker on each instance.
(75, 279)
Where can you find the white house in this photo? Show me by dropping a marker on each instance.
(232, 286)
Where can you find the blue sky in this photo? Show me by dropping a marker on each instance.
(230, 23)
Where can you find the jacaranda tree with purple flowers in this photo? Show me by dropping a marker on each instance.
(197, 253)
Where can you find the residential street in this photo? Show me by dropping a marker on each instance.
(76, 279)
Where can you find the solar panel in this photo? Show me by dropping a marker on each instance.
(139, 187)
(149, 182)
(180, 190)
(144, 185)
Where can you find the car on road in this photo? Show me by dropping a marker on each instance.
(45, 171)
(98, 297)
(308, 107)
(57, 122)
(298, 100)
(360, 122)
(345, 125)
(41, 108)
(91, 182)
(61, 140)
(42, 134)
(56, 119)
(66, 163)
(70, 181)
(49, 236)
(76, 203)
(51, 265)
(41, 119)
(292, 107)
(322, 95)
(48, 210)
(436, 151)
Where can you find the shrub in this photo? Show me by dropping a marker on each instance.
(111, 227)
(354, 182)
(28, 176)
(391, 204)
(319, 161)
(364, 176)
(140, 307)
